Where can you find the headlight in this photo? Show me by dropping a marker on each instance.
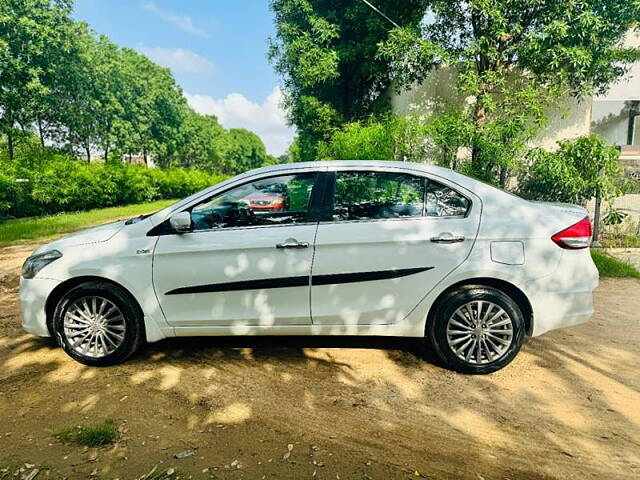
(35, 263)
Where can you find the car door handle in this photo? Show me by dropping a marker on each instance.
(292, 243)
(448, 238)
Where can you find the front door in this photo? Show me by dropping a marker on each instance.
(392, 237)
(247, 261)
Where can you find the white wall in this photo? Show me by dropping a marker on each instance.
(569, 118)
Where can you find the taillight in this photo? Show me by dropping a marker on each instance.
(576, 236)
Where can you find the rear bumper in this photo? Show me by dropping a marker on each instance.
(565, 298)
(559, 310)
(33, 298)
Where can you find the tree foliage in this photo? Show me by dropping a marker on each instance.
(35, 38)
(574, 173)
(512, 57)
(243, 150)
(325, 51)
(388, 138)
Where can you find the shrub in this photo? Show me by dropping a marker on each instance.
(62, 184)
(574, 173)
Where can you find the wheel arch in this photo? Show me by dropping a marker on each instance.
(60, 290)
(504, 286)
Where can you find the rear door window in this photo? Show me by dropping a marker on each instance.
(365, 195)
(443, 201)
(377, 195)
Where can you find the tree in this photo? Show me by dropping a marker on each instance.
(242, 150)
(35, 35)
(154, 105)
(78, 107)
(326, 52)
(197, 144)
(512, 56)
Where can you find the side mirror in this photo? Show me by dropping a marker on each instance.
(180, 222)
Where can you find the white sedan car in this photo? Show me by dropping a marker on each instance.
(347, 248)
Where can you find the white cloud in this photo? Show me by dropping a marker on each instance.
(182, 22)
(267, 119)
(178, 60)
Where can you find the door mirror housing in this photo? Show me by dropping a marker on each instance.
(180, 222)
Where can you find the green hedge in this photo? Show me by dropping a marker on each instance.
(62, 184)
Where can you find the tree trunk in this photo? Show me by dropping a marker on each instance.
(71, 143)
(10, 144)
(40, 132)
(108, 143)
(479, 119)
(144, 155)
(87, 148)
(503, 176)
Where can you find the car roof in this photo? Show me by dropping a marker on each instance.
(447, 173)
(351, 163)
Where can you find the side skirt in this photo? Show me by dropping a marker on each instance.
(406, 328)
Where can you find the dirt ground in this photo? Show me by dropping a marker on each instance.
(567, 408)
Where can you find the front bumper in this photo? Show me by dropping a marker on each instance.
(33, 298)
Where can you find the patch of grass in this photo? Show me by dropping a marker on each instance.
(623, 241)
(609, 266)
(96, 435)
(24, 230)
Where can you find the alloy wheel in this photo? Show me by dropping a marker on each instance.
(94, 326)
(480, 332)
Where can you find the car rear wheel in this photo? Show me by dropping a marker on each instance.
(98, 324)
(476, 329)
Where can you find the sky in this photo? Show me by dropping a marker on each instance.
(216, 50)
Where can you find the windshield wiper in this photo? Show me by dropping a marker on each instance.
(133, 220)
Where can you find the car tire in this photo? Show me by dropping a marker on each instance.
(103, 312)
(476, 322)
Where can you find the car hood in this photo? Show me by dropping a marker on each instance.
(98, 234)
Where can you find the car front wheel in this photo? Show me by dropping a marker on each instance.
(98, 324)
(476, 329)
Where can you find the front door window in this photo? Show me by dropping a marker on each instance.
(284, 199)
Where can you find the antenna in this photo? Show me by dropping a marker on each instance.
(382, 14)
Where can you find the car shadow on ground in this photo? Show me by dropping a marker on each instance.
(286, 347)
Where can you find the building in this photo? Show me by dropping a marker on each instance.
(139, 159)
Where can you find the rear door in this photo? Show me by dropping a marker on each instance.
(388, 239)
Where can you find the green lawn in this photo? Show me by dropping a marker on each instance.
(609, 266)
(30, 229)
